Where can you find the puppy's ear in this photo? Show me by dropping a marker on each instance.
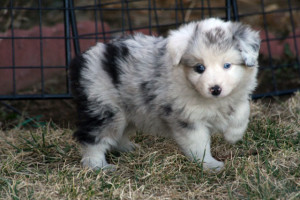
(247, 42)
(178, 41)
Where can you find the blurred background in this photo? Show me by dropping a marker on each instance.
(38, 38)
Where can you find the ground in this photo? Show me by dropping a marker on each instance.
(40, 160)
(44, 162)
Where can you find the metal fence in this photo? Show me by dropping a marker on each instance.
(38, 38)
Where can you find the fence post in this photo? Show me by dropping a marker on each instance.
(67, 42)
(74, 28)
(228, 10)
(235, 10)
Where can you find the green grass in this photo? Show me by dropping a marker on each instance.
(43, 163)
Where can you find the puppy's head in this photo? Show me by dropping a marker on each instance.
(217, 57)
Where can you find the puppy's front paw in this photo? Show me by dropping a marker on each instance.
(214, 166)
(95, 164)
(234, 135)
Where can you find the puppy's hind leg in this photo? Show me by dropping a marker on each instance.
(98, 132)
(93, 155)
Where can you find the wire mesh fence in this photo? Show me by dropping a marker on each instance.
(39, 38)
(32, 51)
(279, 25)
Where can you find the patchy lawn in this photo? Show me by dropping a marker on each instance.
(43, 163)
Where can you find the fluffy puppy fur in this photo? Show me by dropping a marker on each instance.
(193, 83)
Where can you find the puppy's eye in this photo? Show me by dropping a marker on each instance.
(199, 68)
(227, 65)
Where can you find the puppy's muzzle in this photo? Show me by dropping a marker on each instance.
(215, 90)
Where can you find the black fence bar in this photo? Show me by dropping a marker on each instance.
(150, 16)
(294, 34)
(274, 82)
(235, 10)
(13, 48)
(36, 96)
(102, 24)
(41, 49)
(276, 93)
(228, 10)
(67, 19)
(73, 22)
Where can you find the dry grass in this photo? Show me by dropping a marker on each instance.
(44, 164)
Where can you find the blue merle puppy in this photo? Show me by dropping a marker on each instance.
(187, 86)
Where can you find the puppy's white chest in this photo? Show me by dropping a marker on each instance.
(217, 118)
(219, 123)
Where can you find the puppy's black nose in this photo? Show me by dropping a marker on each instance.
(215, 90)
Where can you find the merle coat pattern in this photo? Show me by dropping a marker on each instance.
(187, 86)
